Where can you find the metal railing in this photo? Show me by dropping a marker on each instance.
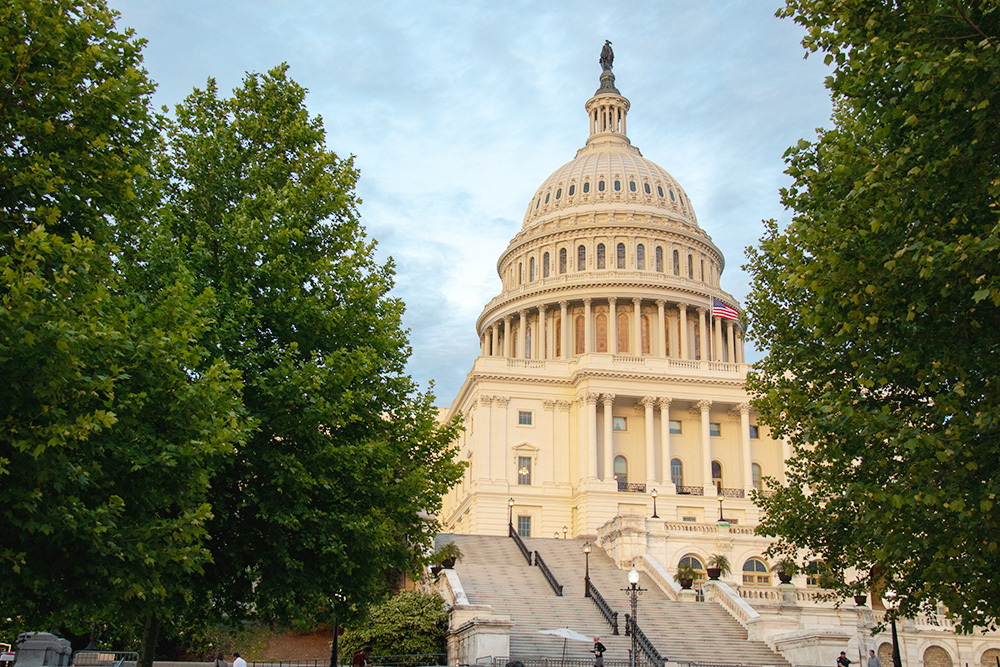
(732, 493)
(602, 606)
(691, 490)
(549, 577)
(91, 658)
(631, 487)
(519, 542)
(642, 641)
(402, 660)
(553, 662)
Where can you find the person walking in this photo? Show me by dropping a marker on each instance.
(361, 657)
(238, 661)
(598, 652)
(842, 661)
(220, 661)
(873, 660)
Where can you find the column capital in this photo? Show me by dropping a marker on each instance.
(637, 300)
(507, 318)
(523, 313)
(649, 402)
(701, 310)
(665, 402)
(485, 400)
(744, 408)
(564, 406)
(660, 303)
(563, 303)
(549, 405)
(542, 308)
(592, 398)
(501, 401)
(587, 301)
(612, 300)
(705, 405)
(607, 399)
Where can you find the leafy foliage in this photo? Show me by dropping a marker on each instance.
(879, 305)
(406, 624)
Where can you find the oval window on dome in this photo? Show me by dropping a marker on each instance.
(672, 196)
(546, 197)
(572, 190)
(558, 193)
(660, 190)
(600, 186)
(631, 186)
(618, 186)
(538, 203)
(586, 187)
(645, 186)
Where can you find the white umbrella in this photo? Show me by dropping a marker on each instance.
(567, 634)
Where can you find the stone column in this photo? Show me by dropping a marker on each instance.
(522, 332)
(612, 326)
(731, 330)
(495, 352)
(592, 432)
(661, 328)
(544, 346)
(637, 315)
(499, 461)
(739, 348)
(609, 434)
(706, 448)
(744, 409)
(682, 309)
(563, 328)
(506, 336)
(588, 327)
(665, 444)
(481, 461)
(649, 403)
(702, 335)
(718, 354)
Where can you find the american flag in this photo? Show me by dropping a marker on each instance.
(723, 310)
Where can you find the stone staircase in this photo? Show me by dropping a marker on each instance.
(494, 572)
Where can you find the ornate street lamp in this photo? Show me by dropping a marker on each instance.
(565, 530)
(720, 508)
(654, 505)
(510, 512)
(897, 661)
(633, 591)
(586, 569)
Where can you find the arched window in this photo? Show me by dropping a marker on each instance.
(935, 656)
(545, 265)
(755, 472)
(572, 190)
(814, 573)
(659, 259)
(557, 332)
(755, 573)
(621, 255)
(885, 654)
(600, 186)
(623, 337)
(621, 472)
(578, 334)
(989, 658)
(717, 476)
(559, 193)
(677, 263)
(631, 186)
(671, 196)
(659, 190)
(520, 273)
(645, 187)
(527, 342)
(618, 185)
(531, 270)
(677, 473)
(691, 267)
(601, 329)
(581, 258)
(546, 197)
(640, 257)
(586, 187)
(601, 256)
(702, 273)
(644, 344)
(562, 260)
(694, 563)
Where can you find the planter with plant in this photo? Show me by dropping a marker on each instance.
(718, 566)
(685, 576)
(448, 555)
(786, 568)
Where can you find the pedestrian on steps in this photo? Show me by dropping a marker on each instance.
(598, 652)
(843, 660)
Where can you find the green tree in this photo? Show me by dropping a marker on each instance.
(110, 409)
(410, 623)
(347, 459)
(879, 307)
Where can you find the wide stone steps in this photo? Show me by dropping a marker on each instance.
(494, 572)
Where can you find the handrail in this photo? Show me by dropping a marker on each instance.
(602, 606)
(646, 646)
(519, 542)
(549, 577)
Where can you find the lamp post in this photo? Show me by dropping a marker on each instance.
(337, 597)
(633, 591)
(565, 530)
(720, 509)
(586, 569)
(510, 512)
(896, 659)
(654, 505)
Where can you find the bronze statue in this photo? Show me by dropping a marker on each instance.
(607, 55)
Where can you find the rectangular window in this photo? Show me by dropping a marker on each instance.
(524, 470)
(754, 431)
(524, 526)
(690, 519)
(715, 429)
(620, 423)
(524, 417)
(675, 427)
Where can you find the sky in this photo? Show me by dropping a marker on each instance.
(457, 111)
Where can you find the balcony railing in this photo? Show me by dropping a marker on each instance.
(732, 493)
(691, 490)
(631, 487)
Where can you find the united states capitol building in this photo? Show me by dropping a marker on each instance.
(607, 409)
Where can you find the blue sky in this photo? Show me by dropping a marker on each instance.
(457, 111)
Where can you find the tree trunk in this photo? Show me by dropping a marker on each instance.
(150, 634)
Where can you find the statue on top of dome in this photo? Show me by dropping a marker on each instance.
(607, 55)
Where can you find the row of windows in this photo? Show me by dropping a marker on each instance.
(619, 263)
(524, 418)
(616, 185)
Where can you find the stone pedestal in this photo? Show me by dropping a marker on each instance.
(688, 595)
(42, 649)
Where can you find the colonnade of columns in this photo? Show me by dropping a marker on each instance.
(588, 429)
(554, 336)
